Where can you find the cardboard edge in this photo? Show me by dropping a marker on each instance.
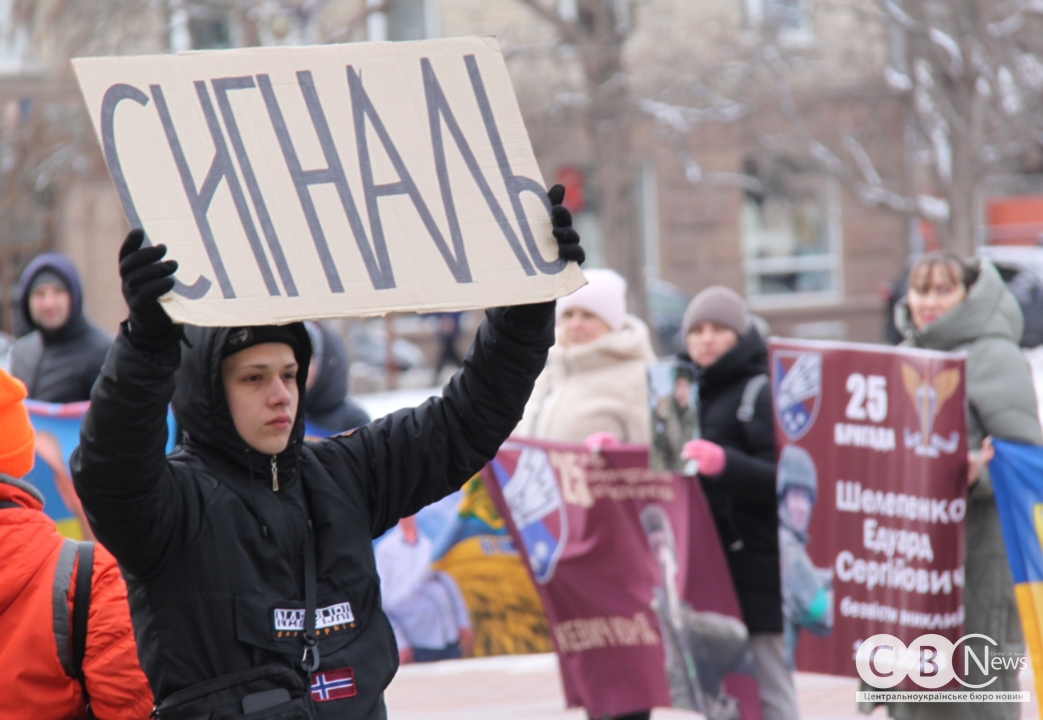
(492, 42)
(178, 310)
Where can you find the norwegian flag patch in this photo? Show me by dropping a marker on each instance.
(333, 685)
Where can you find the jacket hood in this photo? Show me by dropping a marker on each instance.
(749, 357)
(19, 532)
(989, 310)
(64, 268)
(630, 342)
(20, 491)
(329, 389)
(201, 408)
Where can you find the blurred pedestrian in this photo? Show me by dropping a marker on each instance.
(736, 465)
(66, 641)
(448, 335)
(675, 420)
(427, 612)
(248, 551)
(61, 356)
(960, 306)
(595, 385)
(327, 405)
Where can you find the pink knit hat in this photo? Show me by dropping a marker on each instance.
(605, 295)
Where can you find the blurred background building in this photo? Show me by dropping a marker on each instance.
(796, 150)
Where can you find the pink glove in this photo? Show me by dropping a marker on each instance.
(710, 456)
(596, 441)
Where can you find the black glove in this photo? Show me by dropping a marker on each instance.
(539, 317)
(145, 279)
(560, 217)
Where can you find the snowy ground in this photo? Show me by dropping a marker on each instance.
(528, 686)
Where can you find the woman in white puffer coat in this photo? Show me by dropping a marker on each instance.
(595, 383)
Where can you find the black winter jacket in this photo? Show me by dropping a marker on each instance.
(214, 557)
(58, 366)
(61, 366)
(327, 404)
(742, 498)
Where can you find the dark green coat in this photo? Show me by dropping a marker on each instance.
(987, 326)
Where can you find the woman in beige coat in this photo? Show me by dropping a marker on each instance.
(595, 384)
(594, 388)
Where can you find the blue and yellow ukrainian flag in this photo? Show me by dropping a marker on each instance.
(1017, 479)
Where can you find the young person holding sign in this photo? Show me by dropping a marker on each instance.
(248, 552)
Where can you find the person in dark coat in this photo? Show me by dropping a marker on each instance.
(248, 551)
(61, 356)
(327, 405)
(736, 462)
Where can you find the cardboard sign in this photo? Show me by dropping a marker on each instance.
(334, 180)
(872, 492)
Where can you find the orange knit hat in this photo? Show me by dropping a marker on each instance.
(17, 437)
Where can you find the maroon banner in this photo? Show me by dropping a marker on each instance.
(872, 486)
(633, 579)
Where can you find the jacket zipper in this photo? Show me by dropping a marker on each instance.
(275, 475)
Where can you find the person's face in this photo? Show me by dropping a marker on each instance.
(798, 506)
(932, 294)
(682, 391)
(49, 306)
(708, 341)
(581, 326)
(261, 387)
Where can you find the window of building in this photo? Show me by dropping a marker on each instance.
(199, 25)
(791, 237)
(791, 19)
(404, 20)
(568, 10)
(208, 27)
(16, 42)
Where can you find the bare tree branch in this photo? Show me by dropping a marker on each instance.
(900, 16)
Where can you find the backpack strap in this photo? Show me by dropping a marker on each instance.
(749, 397)
(72, 648)
(60, 604)
(81, 612)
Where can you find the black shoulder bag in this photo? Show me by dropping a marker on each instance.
(268, 692)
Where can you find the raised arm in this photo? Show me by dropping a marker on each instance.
(416, 456)
(120, 469)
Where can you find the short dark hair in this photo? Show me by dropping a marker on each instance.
(958, 270)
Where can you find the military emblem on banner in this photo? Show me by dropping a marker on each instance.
(796, 382)
(533, 495)
(928, 396)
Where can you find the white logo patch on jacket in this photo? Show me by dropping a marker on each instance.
(292, 620)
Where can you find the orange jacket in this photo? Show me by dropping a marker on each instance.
(33, 683)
